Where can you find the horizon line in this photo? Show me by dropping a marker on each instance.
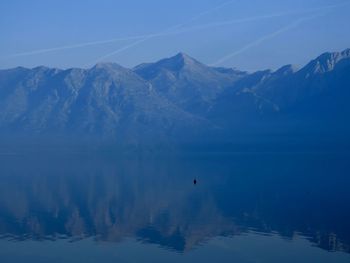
(170, 57)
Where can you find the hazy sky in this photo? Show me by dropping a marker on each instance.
(247, 34)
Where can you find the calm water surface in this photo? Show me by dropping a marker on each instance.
(245, 207)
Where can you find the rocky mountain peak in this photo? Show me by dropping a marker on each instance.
(327, 61)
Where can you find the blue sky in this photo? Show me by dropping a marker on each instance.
(246, 34)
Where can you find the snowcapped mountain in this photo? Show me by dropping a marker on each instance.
(106, 100)
(186, 82)
(174, 99)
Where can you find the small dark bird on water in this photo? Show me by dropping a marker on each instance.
(194, 181)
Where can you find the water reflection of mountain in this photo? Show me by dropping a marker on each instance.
(155, 200)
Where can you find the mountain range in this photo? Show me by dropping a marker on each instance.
(177, 99)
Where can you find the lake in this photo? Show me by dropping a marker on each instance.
(244, 207)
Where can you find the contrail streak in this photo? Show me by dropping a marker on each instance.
(228, 22)
(138, 37)
(47, 50)
(264, 38)
(163, 32)
(218, 23)
(169, 32)
(255, 18)
(247, 19)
